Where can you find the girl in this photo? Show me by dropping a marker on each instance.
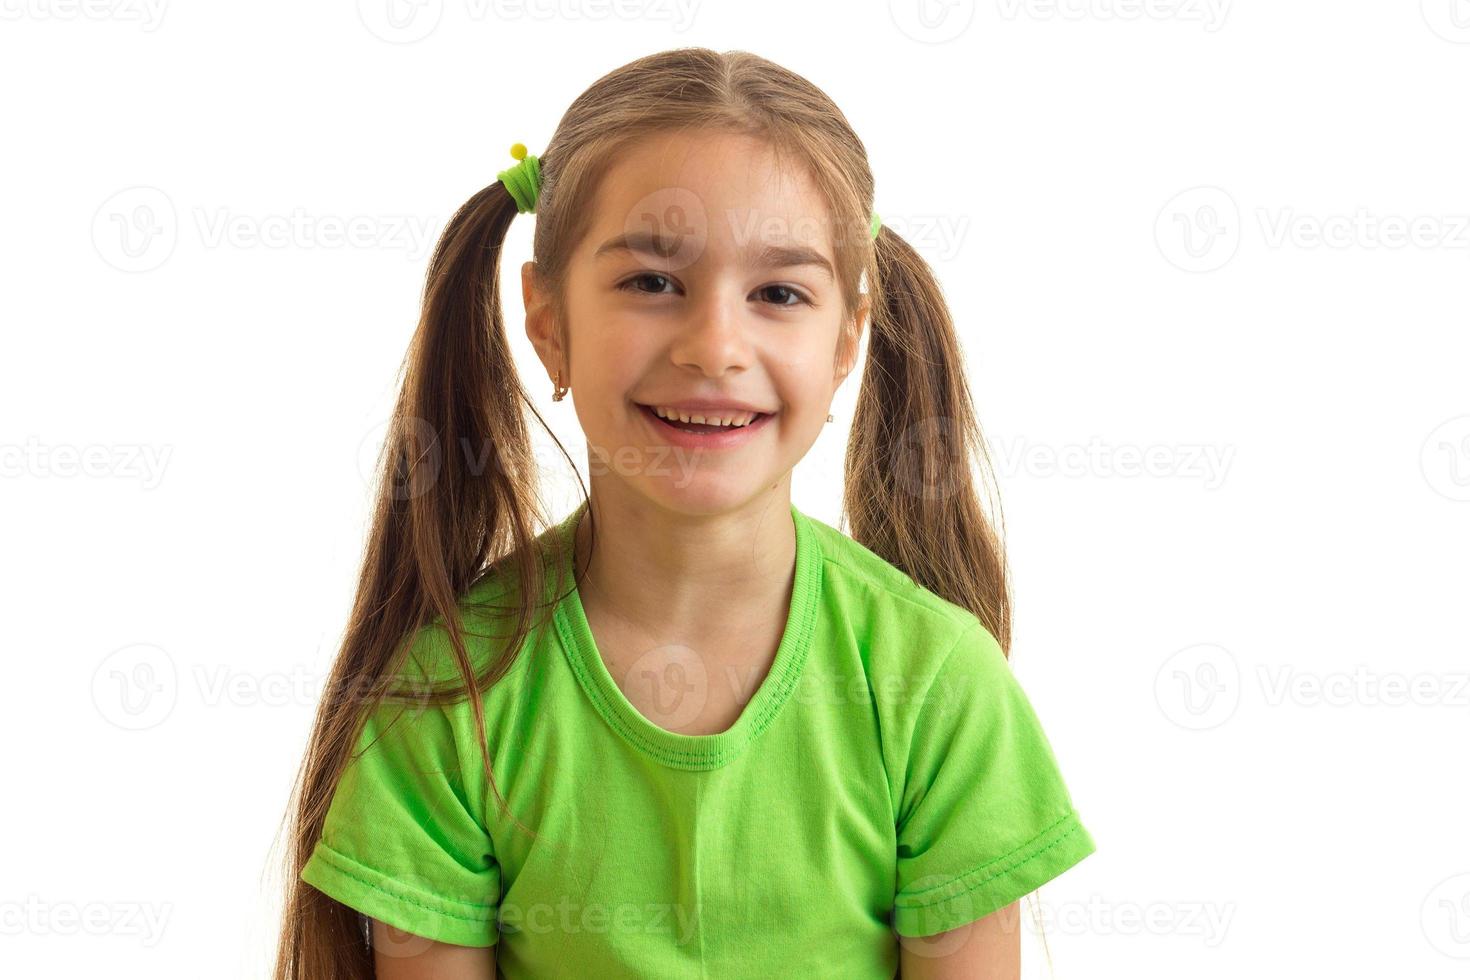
(687, 730)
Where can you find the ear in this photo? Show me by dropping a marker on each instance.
(848, 342)
(541, 324)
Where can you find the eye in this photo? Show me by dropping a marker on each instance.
(629, 285)
(799, 296)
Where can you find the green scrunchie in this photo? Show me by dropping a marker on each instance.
(523, 181)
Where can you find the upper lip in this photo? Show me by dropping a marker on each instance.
(692, 407)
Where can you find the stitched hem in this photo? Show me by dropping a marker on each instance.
(375, 894)
(995, 884)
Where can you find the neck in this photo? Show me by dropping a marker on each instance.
(681, 577)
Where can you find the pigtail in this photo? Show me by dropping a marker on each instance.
(457, 494)
(910, 491)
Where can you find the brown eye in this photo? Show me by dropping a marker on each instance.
(630, 284)
(785, 296)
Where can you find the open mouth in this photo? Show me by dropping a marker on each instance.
(740, 423)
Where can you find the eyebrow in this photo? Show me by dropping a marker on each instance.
(765, 257)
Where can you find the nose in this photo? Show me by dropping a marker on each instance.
(713, 340)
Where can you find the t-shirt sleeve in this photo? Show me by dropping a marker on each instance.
(984, 817)
(403, 840)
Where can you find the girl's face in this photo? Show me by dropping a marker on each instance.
(705, 285)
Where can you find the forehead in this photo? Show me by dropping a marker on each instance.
(728, 190)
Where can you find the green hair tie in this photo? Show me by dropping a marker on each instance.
(523, 181)
(874, 225)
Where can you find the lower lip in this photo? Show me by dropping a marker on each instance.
(724, 439)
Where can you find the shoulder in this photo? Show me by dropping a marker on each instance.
(908, 630)
(489, 611)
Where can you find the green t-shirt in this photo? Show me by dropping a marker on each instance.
(888, 773)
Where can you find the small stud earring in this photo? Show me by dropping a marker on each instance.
(559, 392)
(829, 418)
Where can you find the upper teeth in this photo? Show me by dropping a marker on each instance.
(735, 419)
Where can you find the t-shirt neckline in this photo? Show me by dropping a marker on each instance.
(674, 749)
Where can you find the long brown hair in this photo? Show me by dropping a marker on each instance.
(443, 519)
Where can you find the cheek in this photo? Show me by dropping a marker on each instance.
(607, 354)
(803, 375)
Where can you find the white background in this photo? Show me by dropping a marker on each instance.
(1229, 239)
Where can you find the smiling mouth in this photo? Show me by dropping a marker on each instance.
(700, 427)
